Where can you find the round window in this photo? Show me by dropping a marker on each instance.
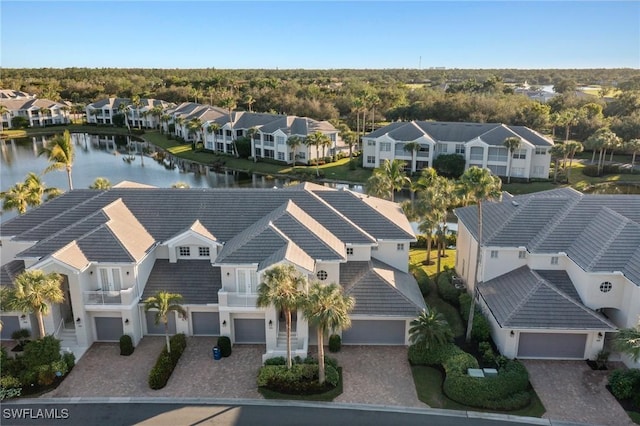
(322, 275)
(605, 287)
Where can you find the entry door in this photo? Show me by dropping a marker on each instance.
(246, 281)
(110, 279)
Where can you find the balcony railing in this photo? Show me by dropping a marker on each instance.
(237, 299)
(99, 297)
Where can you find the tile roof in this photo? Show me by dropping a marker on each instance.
(490, 133)
(598, 232)
(523, 298)
(9, 271)
(380, 289)
(196, 280)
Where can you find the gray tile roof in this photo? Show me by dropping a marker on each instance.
(9, 271)
(380, 289)
(491, 133)
(196, 280)
(522, 298)
(598, 232)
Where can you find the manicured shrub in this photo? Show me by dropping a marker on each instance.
(126, 345)
(10, 387)
(21, 336)
(224, 343)
(41, 352)
(446, 290)
(166, 362)
(459, 363)
(481, 330)
(300, 379)
(335, 343)
(625, 383)
(70, 359)
(419, 355)
(279, 360)
(486, 351)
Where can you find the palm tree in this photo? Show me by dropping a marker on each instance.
(388, 178)
(3, 111)
(249, 100)
(374, 101)
(557, 152)
(213, 128)
(284, 288)
(165, 303)
(27, 194)
(511, 143)
(157, 112)
(413, 148)
(229, 103)
(603, 139)
(358, 106)
(33, 292)
(137, 103)
(632, 146)
(123, 108)
(250, 134)
(164, 118)
(481, 186)
(100, 183)
(179, 122)
(16, 198)
(317, 139)
(628, 342)
(573, 148)
(328, 308)
(60, 155)
(194, 126)
(350, 138)
(294, 142)
(430, 329)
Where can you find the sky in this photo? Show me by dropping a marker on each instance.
(320, 35)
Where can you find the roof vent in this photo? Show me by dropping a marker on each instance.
(515, 203)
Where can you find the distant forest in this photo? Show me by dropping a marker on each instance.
(364, 99)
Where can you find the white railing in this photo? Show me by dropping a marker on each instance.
(99, 297)
(242, 300)
(57, 332)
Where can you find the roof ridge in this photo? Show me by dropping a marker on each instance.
(548, 230)
(342, 216)
(616, 231)
(396, 289)
(523, 300)
(362, 198)
(291, 205)
(504, 224)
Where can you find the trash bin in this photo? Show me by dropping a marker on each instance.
(216, 353)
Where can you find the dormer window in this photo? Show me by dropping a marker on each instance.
(203, 251)
(184, 251)
(349, 251)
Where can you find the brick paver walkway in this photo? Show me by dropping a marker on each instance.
(571, 391)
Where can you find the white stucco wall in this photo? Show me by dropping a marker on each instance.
(360, 253)
(9, 249)
(388, 253)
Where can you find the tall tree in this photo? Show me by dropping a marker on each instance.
(157, 112)
(386, 179)
(350, 138)
(229, 102)
(164, 304)
(294, 142)
(34, 292)
(557, 153)
(3, 110)
(137, 103)
(284, 288)
(481, 186)
(413, 148)
(61, 155)
(603, 138)
(194, 126)
(430, 329)
(572, 148)
(27, 194)
(100, 183)
(317, 139)
(511, 143)
(632, 146)
(328, 308)
(124, 108)
(213, 128)
(628, 342)
(249, 101)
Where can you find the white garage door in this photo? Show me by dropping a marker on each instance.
(9, 325)
(249, 330)
(152, 328)
(108, 329)
(205, 323)
(552, 345)
(374, 332)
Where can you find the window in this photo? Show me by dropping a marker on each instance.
(538, 171)
(280, 140)
(322, 275)
(606, 287)
(110, 279)
(554, 260)
(268, 153)
(494, 254)
(460, 148)
(203, 251)
(498, 154)
(385, 146)
(246, 281)
(258, 152)
(371, 143)
(291, 156)
(371, 159)
(239, 133)
(442, 148)
(477, 153)
(267, 138)
(400, 247)
(349, 251)
(541, 151)
(281, 156)
(497, 170)
(184, 251)
(423, 151)
(302, 155)
(517, 171)
(227, 133)
(520, 154)
(522, 254)
(332, 137)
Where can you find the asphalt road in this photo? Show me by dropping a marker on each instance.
(266, 413)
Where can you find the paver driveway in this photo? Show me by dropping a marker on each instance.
(571, 391)
(377, 375)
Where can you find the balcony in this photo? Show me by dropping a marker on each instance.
(240, 300)
(99, 297)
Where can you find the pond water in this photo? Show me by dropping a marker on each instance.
(613, 188)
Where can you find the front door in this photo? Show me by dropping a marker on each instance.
(110, 279)
(66, 308)
(282, 322)
(246, 281)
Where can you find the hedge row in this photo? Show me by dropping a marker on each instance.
(446, 289)
(299, 379)
(166, 363)
(481, 330)
(625, 384)
(509, 390)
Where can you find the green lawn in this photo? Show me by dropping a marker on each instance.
(327, 396)
(635, 417)
(428, 383)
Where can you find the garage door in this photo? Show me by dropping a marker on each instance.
(374, 332)
(205, 323)
(108, 329)
(152, 328)
(249, 330)
(546, 345)
(9, 325)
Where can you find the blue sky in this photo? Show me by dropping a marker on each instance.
(329, 34)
